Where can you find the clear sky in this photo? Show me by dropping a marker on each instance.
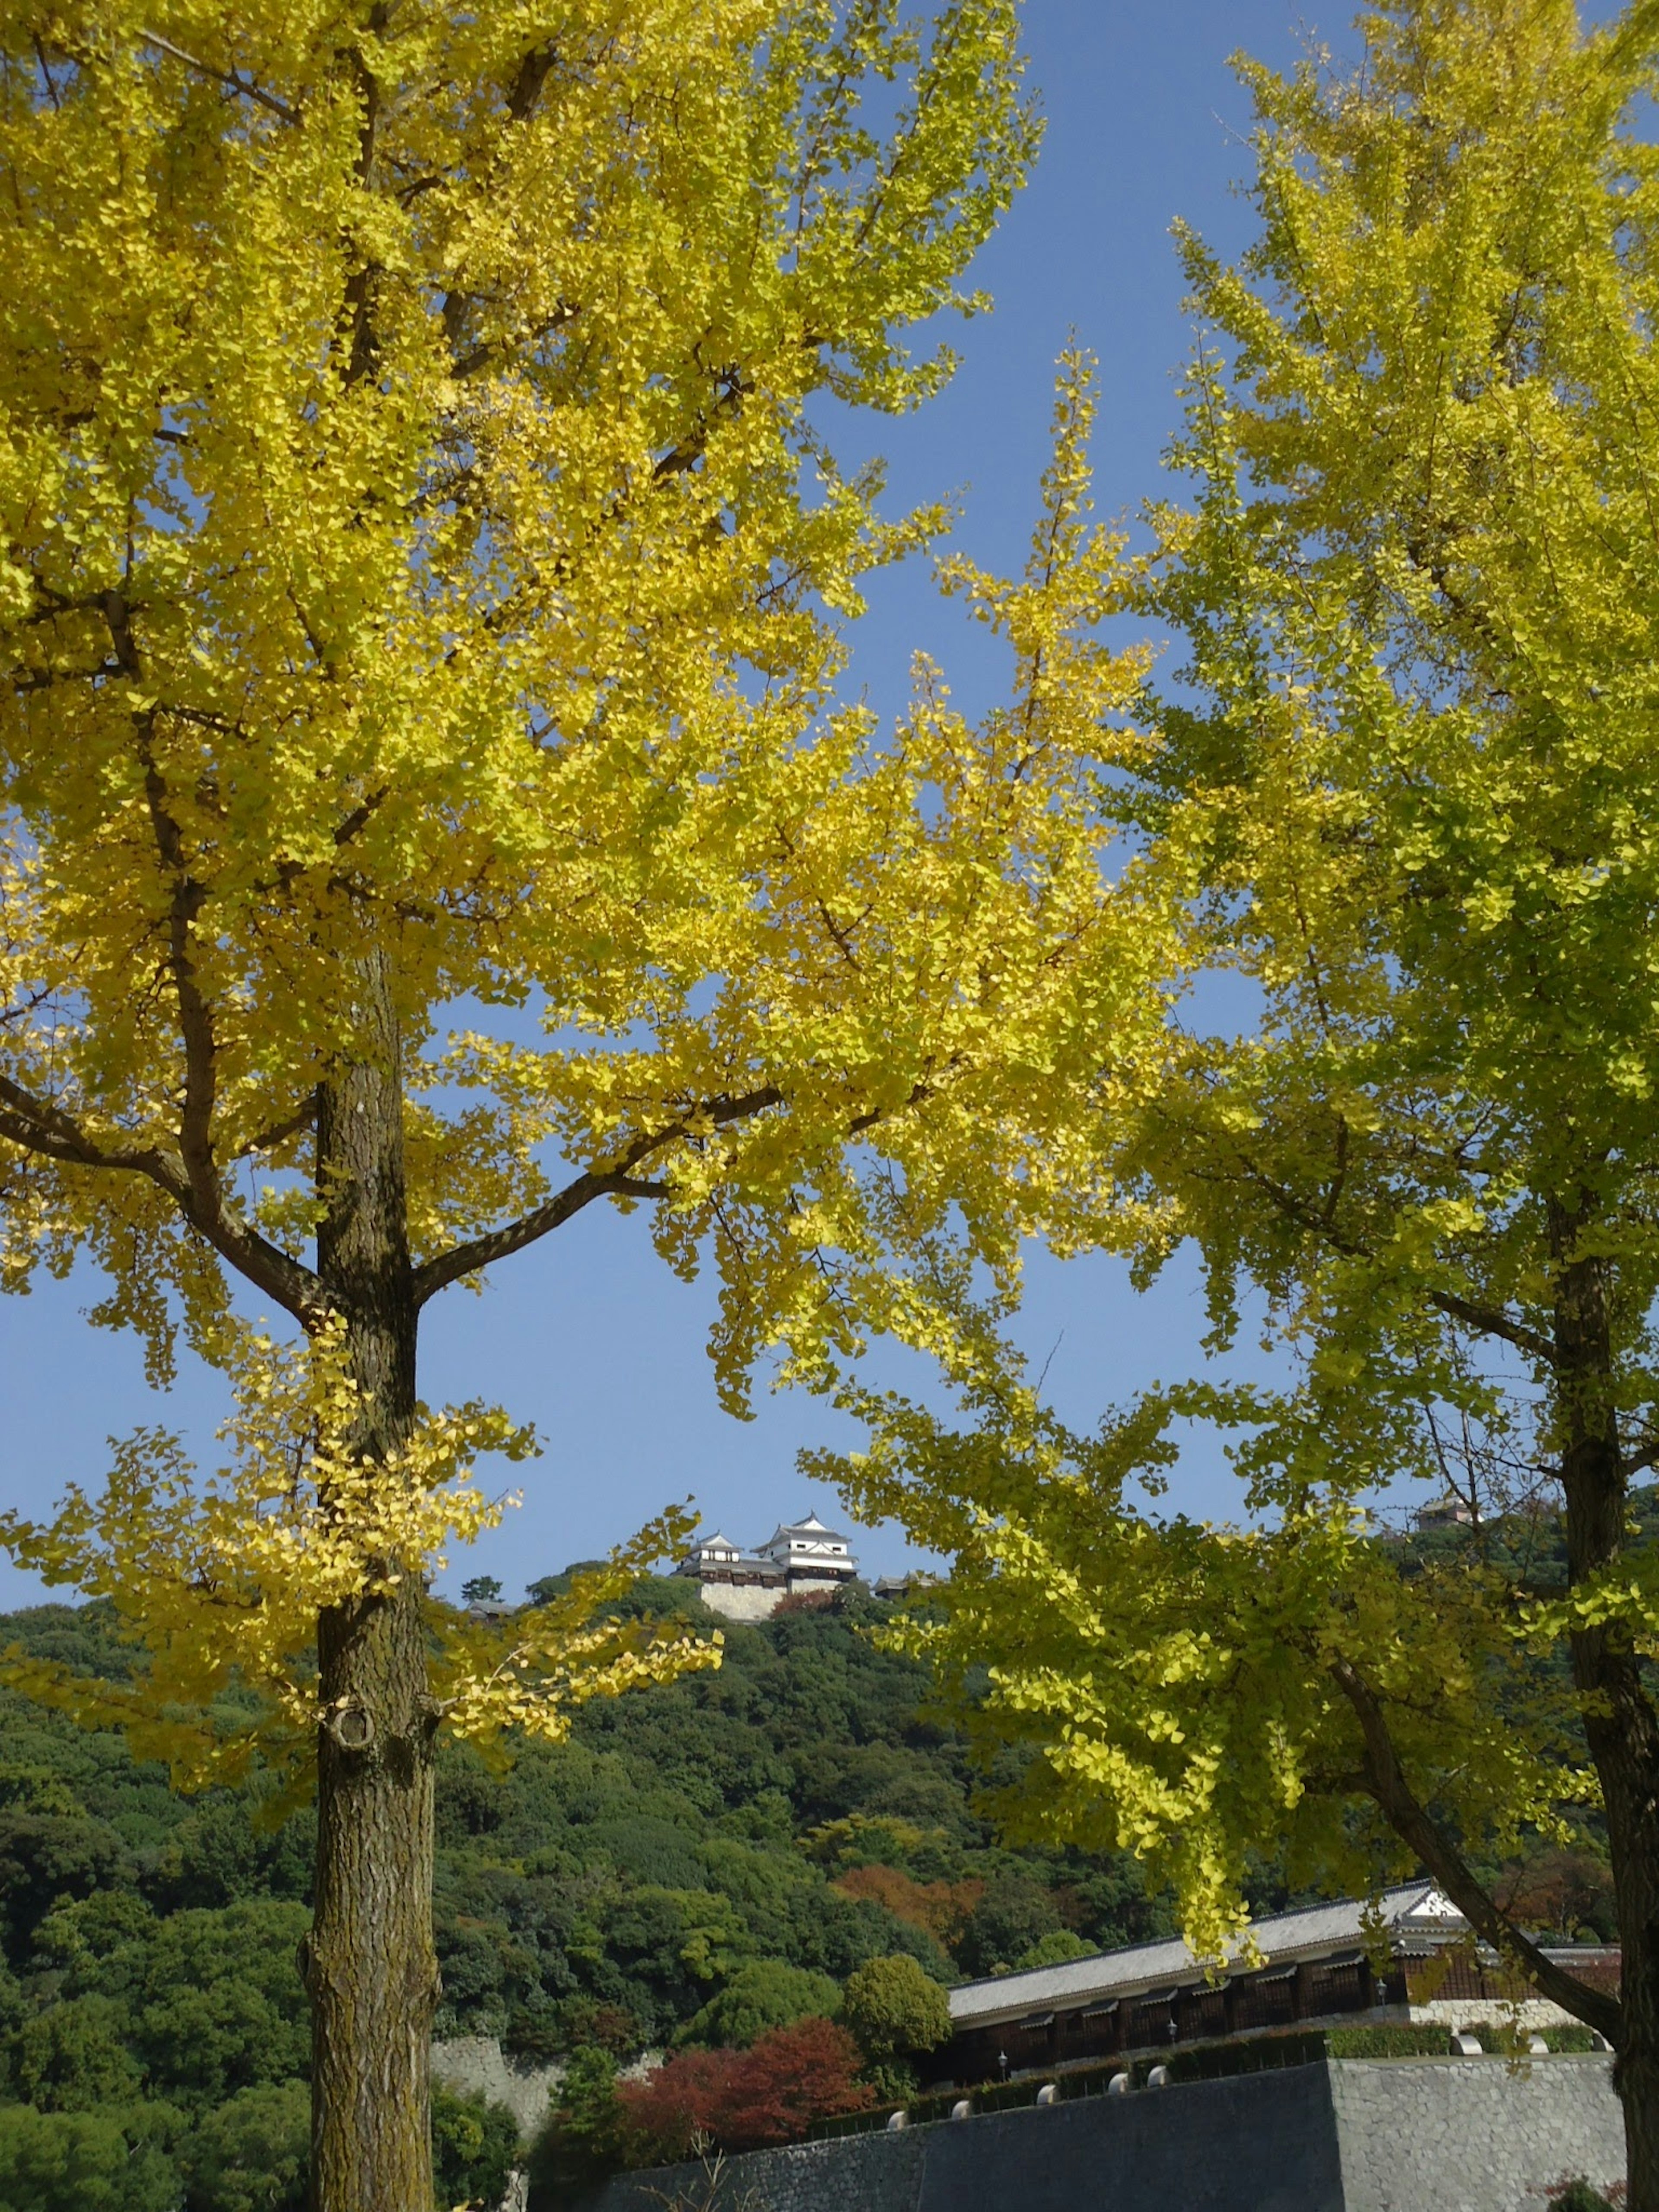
(586, 1335)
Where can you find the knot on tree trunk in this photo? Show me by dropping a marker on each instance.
(351, 1724)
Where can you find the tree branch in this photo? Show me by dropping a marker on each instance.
(279, 1132)
(1386, 1784)
(237, 84)
(35, 1125)
(1490, 1322)
(617, 1181)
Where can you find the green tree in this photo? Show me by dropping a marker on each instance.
(216, 2000)
(586, 2136)
(893, 2007)
(761, 1996)
(1013, 1914)
(1411, 794)
(475, 2147)
(72, 2057)
(105, 2161)
(1057, 1950)
(251, 2154)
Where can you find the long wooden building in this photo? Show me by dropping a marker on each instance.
(1319, 1966)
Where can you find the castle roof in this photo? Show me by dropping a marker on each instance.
(1417, 1910)
(811, 1526)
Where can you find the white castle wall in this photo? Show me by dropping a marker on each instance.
(742, 1600)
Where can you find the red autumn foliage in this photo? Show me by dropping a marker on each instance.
(940, 1907)
(745, 2099)
(1562, 1891)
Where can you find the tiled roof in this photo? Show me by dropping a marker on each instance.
(696, 1560)
(812, 1527)
(1317, 1928)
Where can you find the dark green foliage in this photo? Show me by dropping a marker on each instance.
(216, 2001)
(586, 2138)
(219, 1855)
(1013, 1916)
(1057, 1950)
(46, 1856)
(118, 2158)
(616, 1884)
(1388, 2042)
(72, 2057)
(1576, 2195)
(250, 2154)
(670, 1874)
(474, 2147)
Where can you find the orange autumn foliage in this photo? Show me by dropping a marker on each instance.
(941, 1908)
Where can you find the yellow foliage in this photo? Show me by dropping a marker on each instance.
(1410, 786)
(221, 1580)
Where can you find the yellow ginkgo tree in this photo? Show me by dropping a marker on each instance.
(421, 568)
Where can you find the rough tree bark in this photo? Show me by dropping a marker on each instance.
(371, 1966)
(1620, 1724)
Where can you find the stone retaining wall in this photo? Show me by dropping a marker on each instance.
(1465, 2135)
(1344, 2135)
(1264, 2142)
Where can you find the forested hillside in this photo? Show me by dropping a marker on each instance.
(653, 1877)
(702, 1861)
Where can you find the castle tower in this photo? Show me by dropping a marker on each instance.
(799, 1558)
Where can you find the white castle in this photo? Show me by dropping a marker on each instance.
(801, 1556)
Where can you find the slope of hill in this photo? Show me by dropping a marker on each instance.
(701, 1861)
(651, 1878)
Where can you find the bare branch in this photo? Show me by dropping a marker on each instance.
(1489, 1321)
(237, 84)
(1386, 1784)
(615, 1182)
(1492, 1321)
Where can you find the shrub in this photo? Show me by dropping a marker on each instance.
(584, 2140)
(744, 2099)
(891, 2006)
(475, 2147)
(760, 1996)
(893, 2082)
(1573, 2193)
(1387, 2042)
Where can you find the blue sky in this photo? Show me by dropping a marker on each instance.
(587, 1335)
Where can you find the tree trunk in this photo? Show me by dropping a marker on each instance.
(372, 1968)
(1619, 1721)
